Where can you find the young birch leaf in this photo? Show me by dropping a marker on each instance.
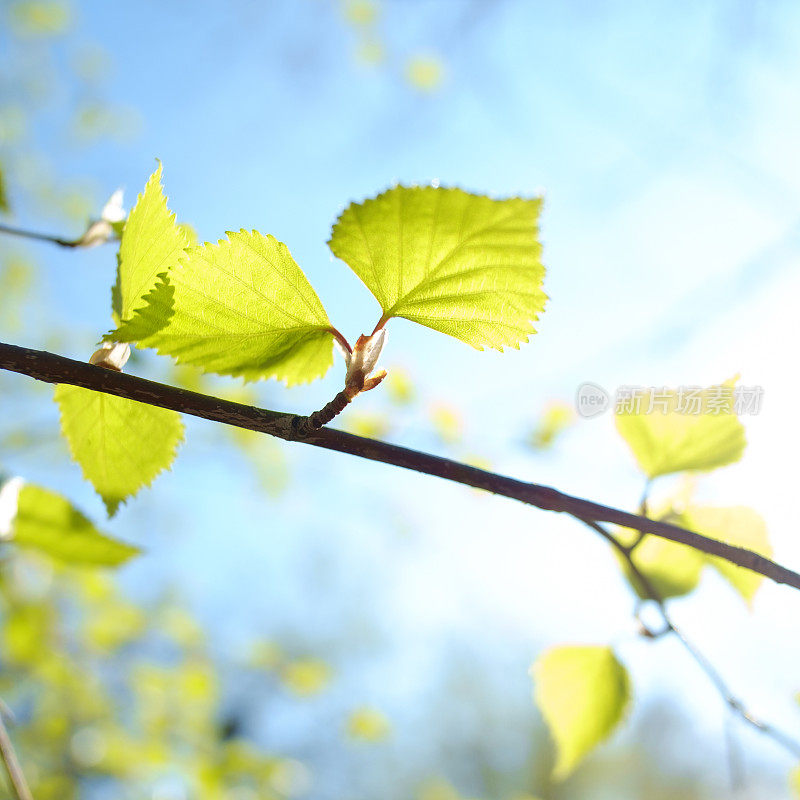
(673, 569)
(582, 692)
(459, 263)
(241, 307)
(121, 445)
(151, 244)
(48, 522)
(698, 433)
(738, 526)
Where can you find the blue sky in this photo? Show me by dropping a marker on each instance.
(664, 141)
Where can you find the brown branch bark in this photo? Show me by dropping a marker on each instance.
(41, 237)
(306, 425)
(53, 368)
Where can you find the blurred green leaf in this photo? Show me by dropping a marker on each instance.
(95, 121)
(265, 655)
(425, 72)
(556, 418)
(680, 439)
(399, 386)
(48, 522)
(40, 17)
(3, 195)
(459, 263)
(17, 284)
(368, 725)
(447, 423)
(371, 52)
(266, 456)
(438, 789)
(25, 627)
(306, 676)
(361, 12)
(739, 526)
(371, 424)
(583, 693)
(674, 569)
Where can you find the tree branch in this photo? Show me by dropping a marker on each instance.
(52, 368)
(41, 237)
(16, 777)
(734, 704)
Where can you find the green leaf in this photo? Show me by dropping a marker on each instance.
(40, 17)
(368, 725)
(151, 244)
(557, 417)
(241, 307)
(582, 692)
(48, 522)
(459, 263)
(121, 445)
(3, 196)
(678, 440)
(738, 526)
(306, 677)
(674, 569)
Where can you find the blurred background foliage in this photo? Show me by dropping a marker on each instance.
(192, 674)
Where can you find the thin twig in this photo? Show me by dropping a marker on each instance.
(16, 777)
(41, 237)
(733, 703)
(305, 425)
(735, 759)
(52, 368)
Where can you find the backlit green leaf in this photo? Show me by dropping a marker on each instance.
(459, 263)
(673, 569)
(688, 436)
(121, 445)
(738, 526)
(151, 244)
(582, 692)
(241, 307)
(46, 521)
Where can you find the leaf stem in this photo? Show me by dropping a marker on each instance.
(337, 334)
(42, 237)
(381, 324)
